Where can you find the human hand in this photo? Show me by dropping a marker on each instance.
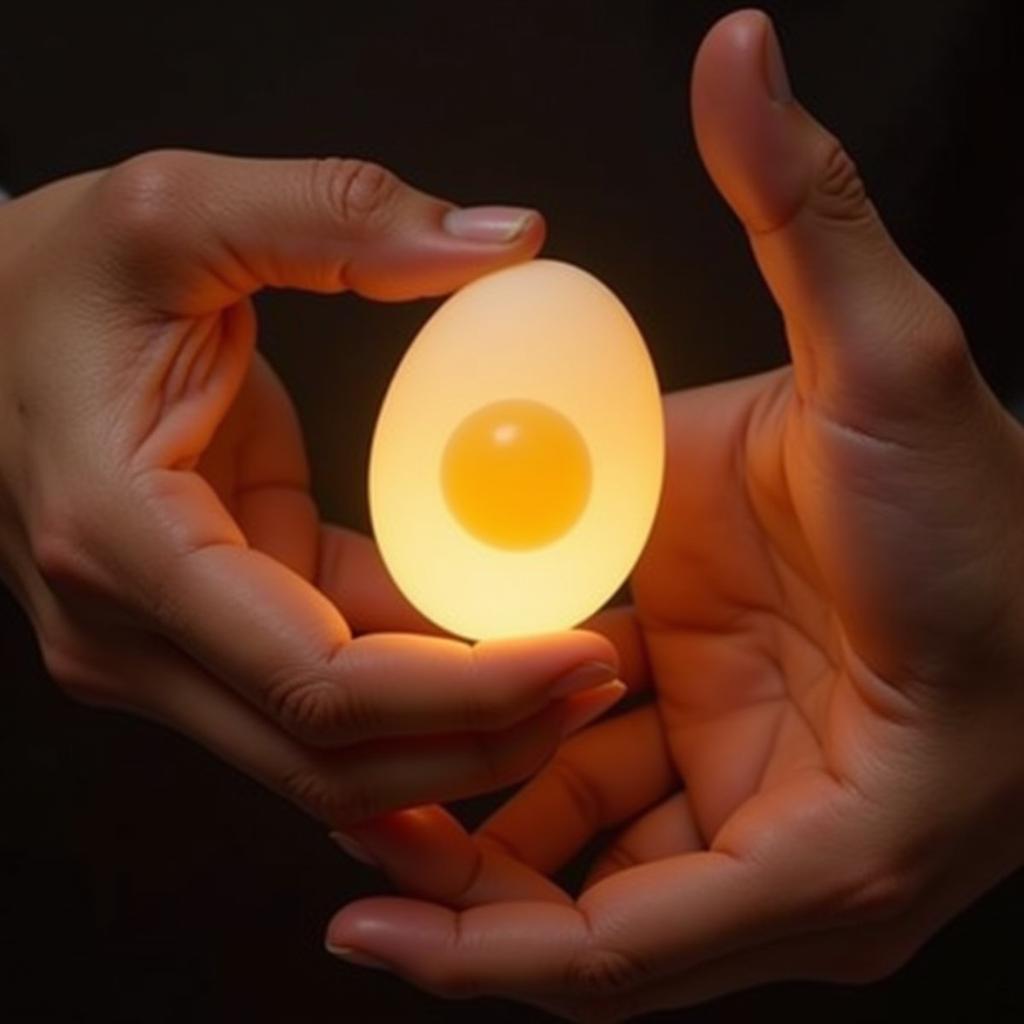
(829, 617)
(155, 519)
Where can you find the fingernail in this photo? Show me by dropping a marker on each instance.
(584, 710)
(353, 848)
(775, 74)
(584, 677)
(356, 956)
(488, 223)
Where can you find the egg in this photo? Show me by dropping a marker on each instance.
(517, 459)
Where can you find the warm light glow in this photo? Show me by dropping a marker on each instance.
(516, 474)
(517, 461)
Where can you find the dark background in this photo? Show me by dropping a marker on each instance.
(140, 880)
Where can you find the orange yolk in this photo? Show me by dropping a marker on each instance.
(516, 474)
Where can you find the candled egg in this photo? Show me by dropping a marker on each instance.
(518, 455)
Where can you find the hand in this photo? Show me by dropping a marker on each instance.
(830, 618)
(155, 519)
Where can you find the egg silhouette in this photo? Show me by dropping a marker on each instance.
(518, 455)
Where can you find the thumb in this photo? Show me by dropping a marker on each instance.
(191, 233)
(871, 341)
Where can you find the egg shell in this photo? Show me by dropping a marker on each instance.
(549, 332)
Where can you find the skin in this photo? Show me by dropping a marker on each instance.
(828, 629)
(155, 516)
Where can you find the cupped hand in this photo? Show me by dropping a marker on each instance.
(829, 619)
(155, 517)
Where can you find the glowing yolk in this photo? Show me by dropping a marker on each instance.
(516, 474)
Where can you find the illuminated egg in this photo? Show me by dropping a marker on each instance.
(517, 459)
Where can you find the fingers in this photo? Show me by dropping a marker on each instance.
(619, 624)
(387, 774)
(869, 335)
(346, 786)
(427, 853)
(667, 830)
(601, 983)
(646, 924)
(191, 232)
(632, 930)
(597, 780)
(816, 867)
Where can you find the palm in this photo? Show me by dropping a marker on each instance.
(763, 704)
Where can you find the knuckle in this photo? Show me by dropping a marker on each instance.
(876, 896)
(60, 547)
(604, 973)
(488, 836)
(929, 331)
(143, 197)
(57, 553)
(583, 794)
(318, 709)
(357, 192)
(76, 674)
(946, 361)
(484, 705)
(838, 193)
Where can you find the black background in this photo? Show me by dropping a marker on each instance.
(141, 880)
